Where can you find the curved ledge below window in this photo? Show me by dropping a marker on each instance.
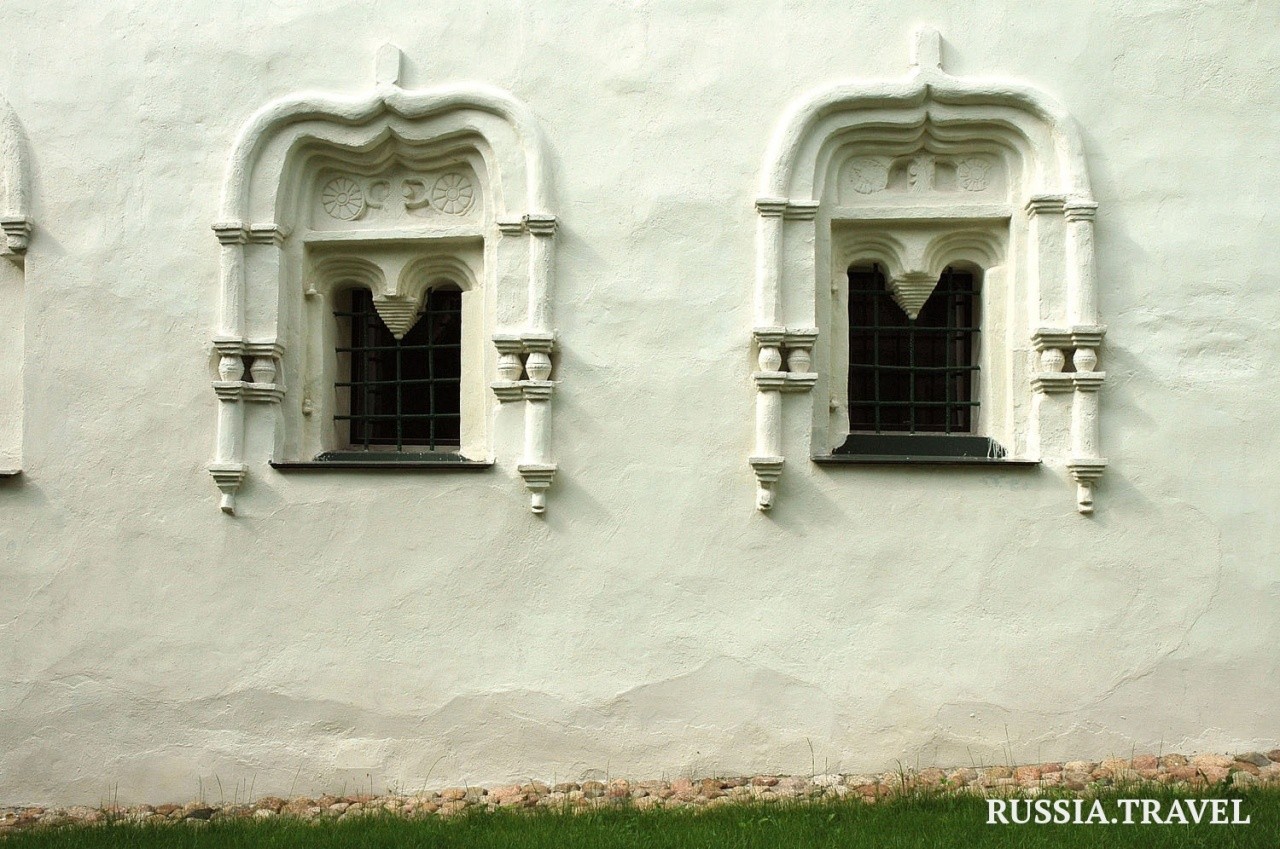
(383, 462)
(888, 449)
(10, 473)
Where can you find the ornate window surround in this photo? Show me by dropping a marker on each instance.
(15, 220)
(1036, 251)
(272, 280)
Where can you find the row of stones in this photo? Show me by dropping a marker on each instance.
(1242, 770)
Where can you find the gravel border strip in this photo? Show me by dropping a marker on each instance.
(1175, 771)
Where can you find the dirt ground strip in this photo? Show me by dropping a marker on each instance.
(1177, 771)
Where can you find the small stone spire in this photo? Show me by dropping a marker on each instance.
(387, 66)
(927, 54)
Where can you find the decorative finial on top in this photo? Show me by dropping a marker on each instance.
(386, 69)
(928, 49)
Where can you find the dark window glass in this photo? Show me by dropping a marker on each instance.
(912, 375)
(395, 393)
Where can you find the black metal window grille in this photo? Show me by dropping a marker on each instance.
(393, 393)
(912, 375)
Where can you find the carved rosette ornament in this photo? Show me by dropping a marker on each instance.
(868, 175)
(343, 199)
(453, 194)
(973, 174)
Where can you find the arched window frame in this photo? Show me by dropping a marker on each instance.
(1035, 247)
(267, 329)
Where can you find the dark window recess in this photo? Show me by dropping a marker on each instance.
(912, 375)
(395, 393)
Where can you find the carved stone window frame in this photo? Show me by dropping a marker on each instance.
(1035, 249)
(15, 221)
(272, 316)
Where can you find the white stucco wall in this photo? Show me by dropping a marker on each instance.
(430, 628)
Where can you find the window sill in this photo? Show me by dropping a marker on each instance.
(897, 449)
(10, 473)
(379, 462)
(916, 460)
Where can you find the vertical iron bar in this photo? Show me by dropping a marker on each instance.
(399, 396)
(911, 375)
(877, 278)
(949, 345)
(430, 318)
(371, 370)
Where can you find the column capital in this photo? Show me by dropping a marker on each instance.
(1079, 209)
(771, 207)
(1046, 205)
(231, 232)
(541, 223)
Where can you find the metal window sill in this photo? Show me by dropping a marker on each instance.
(387, 462)
(909, 460)
(897, 449)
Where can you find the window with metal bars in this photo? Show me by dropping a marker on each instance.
(397, 394)
(912, 376)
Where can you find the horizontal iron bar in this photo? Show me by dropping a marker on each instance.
(911, 328)
(908, 404)
(913, 368)
(415, 381)
(392, 416)
(344, 314)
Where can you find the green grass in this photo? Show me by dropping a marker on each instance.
(909, 822)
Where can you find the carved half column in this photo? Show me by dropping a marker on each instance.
(799, 359)
(510, 367)
(538, 470)
(228, 468)
(770, 380)
(1051, 384)
(1047, 279)
(769, 259)
(265, 359)
(17, 233)
(1081, 274)
(542, 230)
(1086, 464)
(524, 358)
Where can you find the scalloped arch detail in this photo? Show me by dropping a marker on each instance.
(927, 93)
(387, 101)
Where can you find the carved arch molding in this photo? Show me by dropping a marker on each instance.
(913, 174)
(15, 220)
(395, 189)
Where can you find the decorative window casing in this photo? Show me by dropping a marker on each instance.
(15, 221)
(914, 177)
(395, 192)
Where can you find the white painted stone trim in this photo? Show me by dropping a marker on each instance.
(1052, 229)
(15, 221)
(256, 190)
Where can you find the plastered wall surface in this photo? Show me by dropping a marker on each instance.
(404, 629)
